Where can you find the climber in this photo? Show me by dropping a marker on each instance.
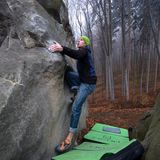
(84, 82)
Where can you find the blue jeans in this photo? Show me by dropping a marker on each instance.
(84, 90)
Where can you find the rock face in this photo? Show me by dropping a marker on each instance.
(58, 10)
(5, 20)
(34, 98)
(148, 131)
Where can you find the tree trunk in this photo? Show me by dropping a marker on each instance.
(111, 80)
(148, 68)
(142, 69)
(156, 37)
(125, 80)
(156, 73)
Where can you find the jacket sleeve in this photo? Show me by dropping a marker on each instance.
(76, 54)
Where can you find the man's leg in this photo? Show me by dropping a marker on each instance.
(73, 82)
(84, 91)
(72, 79)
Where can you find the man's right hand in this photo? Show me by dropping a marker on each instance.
(56, 47)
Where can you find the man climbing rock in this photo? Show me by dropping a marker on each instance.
(84, 82)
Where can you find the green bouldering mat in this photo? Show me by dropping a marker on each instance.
(80, 155)
(110, 130)
(107, 148)
(107, 134)
(91, 151)
(110, 141)
(105, 138)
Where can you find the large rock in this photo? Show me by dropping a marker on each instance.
(59, 11)
(53, 7)
(148, 131)
(34, 98)
(33, 24)
(5, 20)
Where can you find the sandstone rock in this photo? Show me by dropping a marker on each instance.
(34, 98)
(34, 103)
(5, 21)
(59, 11)
(32, 20)
(53, 8)
(148, 131)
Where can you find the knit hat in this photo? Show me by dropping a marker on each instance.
(86, 40)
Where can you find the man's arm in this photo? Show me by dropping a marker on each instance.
(76, 54)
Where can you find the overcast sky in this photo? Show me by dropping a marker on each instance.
(72, 7)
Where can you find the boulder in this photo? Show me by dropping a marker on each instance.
(5, 20)
(33, 24)
(34, 98)
(148, 131)
(58, 10)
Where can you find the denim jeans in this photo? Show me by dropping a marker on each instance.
(84, 90)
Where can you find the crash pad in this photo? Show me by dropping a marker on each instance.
(105, 138)
(110, 129)
(92, 151)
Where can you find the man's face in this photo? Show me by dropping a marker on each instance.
(80, 43)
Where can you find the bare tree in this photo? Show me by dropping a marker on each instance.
(125, 60)
(105, 20)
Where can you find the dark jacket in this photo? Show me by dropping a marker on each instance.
(85, 64)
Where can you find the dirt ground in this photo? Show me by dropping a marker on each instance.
(119, 113)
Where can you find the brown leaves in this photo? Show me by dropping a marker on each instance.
(119, 113)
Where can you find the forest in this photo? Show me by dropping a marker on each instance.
(125, 37)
